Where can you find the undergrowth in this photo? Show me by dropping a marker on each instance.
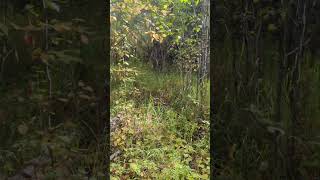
(164, 132)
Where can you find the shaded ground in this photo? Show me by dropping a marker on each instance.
(163, 131)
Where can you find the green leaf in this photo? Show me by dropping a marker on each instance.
(185, 1)
(51, 5)
(272, 27)
(197, 29)
(135, 167)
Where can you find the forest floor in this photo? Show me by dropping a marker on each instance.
(163, 130)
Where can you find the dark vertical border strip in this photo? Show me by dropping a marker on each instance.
(212, 7)
(107, 92)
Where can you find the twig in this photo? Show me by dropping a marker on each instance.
(47, 64)
(298, 48)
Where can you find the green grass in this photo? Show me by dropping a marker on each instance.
(161, 137)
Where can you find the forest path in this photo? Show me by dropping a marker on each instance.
(156, 133)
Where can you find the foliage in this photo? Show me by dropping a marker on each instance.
(263, 89)
(159, 138)
(164, 120)
(137, 24)
(49, 104)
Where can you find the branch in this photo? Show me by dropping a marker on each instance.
(298, 48)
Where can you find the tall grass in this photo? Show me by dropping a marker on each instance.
(163, 129)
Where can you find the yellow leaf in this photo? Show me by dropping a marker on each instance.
(164, 12)
(205, 176)
(160, 39)
(113, 18)
(156, 37)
